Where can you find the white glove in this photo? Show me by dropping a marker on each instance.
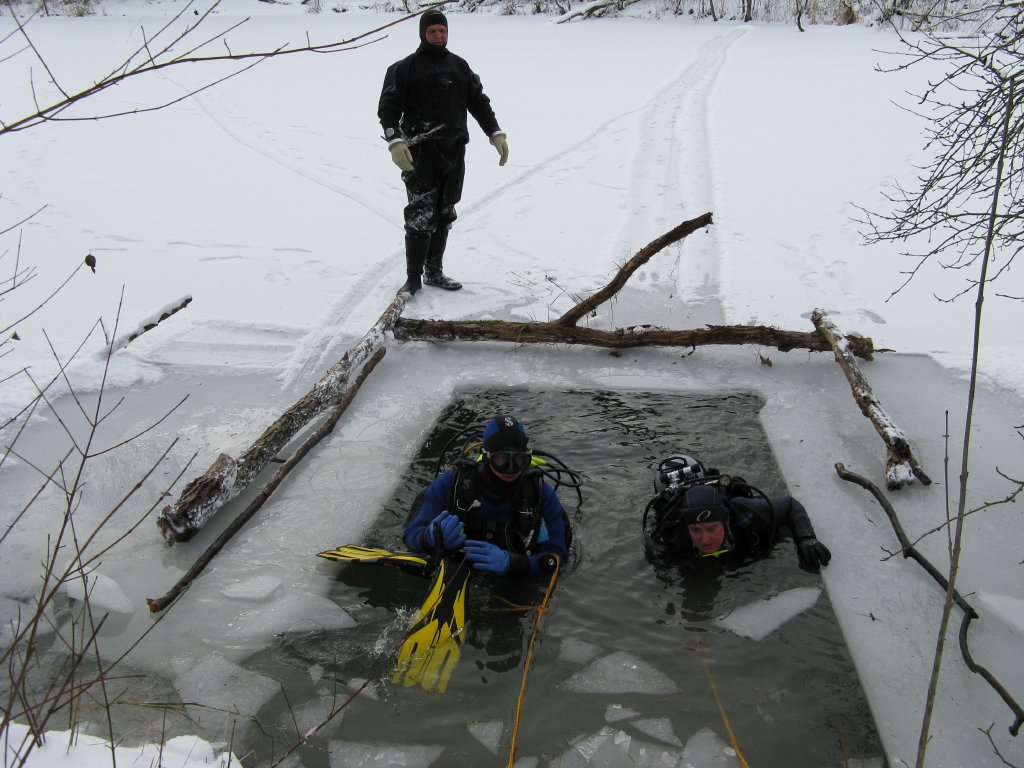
(401, 155)
(499, 143)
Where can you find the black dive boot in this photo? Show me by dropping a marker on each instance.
(416, 246)
(434, 275)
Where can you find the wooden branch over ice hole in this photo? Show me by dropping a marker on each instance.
(901, 465)
(637, 336)
(227, 477)
(565, 331)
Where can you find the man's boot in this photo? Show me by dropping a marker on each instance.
(434, 275)
(417, 244)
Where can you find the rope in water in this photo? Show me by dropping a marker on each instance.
(538, 615)
(725, 717)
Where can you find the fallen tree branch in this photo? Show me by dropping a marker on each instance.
(641, 257)
(158, 604)
(637, 336)
(970, 614)
(901, 466)
(565, 331)
(227, 477)
(152, 322)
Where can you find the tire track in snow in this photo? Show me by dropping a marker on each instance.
(307, 356)
(387, 216)
(671, 180)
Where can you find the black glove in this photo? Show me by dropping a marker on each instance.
(812, 553)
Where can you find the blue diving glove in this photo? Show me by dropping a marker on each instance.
(452, 533)
(487, 557)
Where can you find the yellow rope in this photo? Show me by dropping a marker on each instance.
(538, 614)
(725, 717)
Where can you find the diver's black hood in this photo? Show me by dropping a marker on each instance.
(429, 19)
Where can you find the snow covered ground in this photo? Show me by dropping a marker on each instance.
(271, 201)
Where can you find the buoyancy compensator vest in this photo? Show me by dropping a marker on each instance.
(517, 534)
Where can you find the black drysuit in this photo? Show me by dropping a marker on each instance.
(753, 525)
(425, 100)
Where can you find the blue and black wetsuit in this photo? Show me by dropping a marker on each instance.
(526, 519)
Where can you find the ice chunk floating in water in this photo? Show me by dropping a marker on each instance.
(256, 588)
(760, 619)
(576, 651)
(658, 727)
(615, 712)
(613, 748)
(224, 688)
(619, 672)
(707, 750)
(104, 593)
(353, 754)
(487, 733)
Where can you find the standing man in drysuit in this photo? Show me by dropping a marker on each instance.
(422, 109)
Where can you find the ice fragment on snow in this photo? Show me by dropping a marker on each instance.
(487, 733)
(257, 588)
(619, 672)
(760, 619)
(577, 651)
(104, 593)
(354, 754)
(659, 728)
(615, 712)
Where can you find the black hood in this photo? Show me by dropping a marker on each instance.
(429, 19)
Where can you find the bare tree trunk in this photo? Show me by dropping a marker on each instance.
(954, 555)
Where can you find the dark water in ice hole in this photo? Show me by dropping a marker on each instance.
(793, 699)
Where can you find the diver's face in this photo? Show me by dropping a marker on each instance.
(707, 537)
(436, 34)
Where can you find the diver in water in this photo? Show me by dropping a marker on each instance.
(497, 509)
(701, 514)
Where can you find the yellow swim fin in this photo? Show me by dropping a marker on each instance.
(431, 648)
(352, 553)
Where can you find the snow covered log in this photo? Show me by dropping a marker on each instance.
(152, 322)
(227, 476)
(158, 604)
(901, 465)
(636, 336)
